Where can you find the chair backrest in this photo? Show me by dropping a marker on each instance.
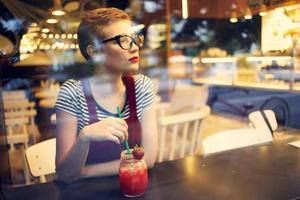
(41, 158)
(14, 95)
(163, 109)
(263, 119)
(20, 110)
(235, 138)
(19, 117)
(180, 131)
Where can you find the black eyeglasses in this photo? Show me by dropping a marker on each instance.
(126, 42)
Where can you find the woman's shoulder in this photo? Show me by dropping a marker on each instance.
(71, 82)
(143, 85)
(141, 79)
(72, 86)
(70, 97)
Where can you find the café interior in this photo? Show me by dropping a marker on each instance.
(226, 75)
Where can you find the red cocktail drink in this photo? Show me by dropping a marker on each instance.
(133, 176)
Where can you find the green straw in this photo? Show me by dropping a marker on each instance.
(125, 141)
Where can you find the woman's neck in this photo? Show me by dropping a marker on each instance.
(107, 84)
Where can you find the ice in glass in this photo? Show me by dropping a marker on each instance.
(133, 175)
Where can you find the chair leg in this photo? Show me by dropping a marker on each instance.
(10, 152)
(25, 168)
(9, 133)
(42, 179)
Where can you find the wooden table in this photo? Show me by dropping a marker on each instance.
(263, 172)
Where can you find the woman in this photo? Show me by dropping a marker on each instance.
(90, 135)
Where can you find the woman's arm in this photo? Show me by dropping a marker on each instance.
(149, 134)
(72, 150)
(102, 169)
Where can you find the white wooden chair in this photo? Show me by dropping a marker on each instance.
(41, 159)
(178, 132)
(19, 116)
(22, 140)
(17, 109)
(20, 125)
(163, 109)
(263, 123)
(264, 120)
(233, 139)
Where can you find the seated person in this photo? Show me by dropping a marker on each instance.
(90, 134)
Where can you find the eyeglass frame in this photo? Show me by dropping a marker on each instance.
(133, 40)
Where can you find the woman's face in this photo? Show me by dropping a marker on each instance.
(115, 58)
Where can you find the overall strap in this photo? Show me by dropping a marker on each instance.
(130, 92)
(99, 151)
(89, 101)
(134, 125)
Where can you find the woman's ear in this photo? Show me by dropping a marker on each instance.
(90, 49)
(96, 54)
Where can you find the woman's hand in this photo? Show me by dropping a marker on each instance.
(111, 128)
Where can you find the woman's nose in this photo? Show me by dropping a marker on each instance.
(134, 48)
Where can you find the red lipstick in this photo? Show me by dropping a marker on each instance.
(134, 59)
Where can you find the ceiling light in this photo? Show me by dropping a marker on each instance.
(233, 17)
(248, 14)
(58, 12)
(262, 10)
(57, 9)
(185, 12)
(33, 24)
(70, 5)
(52, 21)
(44, 35)
(72, 46)
(45, 30)
(34, 29)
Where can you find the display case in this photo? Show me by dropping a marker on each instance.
(265, 72)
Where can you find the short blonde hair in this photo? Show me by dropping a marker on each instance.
(92, 23)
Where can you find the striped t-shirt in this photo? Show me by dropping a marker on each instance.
(71, 100)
